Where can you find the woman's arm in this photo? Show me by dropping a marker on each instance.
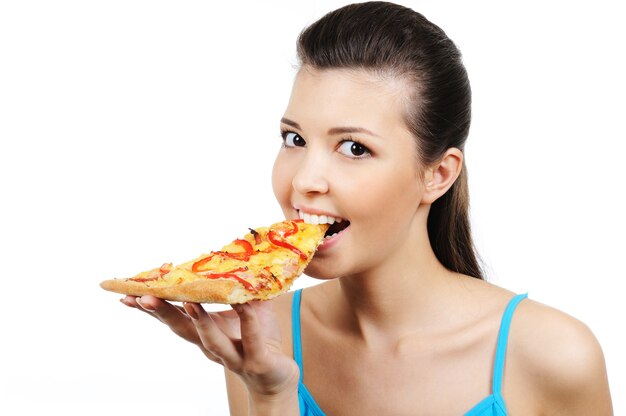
(237, 394)
(241, 404)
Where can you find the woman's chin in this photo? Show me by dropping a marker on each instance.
(318, 271)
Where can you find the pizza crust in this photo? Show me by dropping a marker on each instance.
(200, 291)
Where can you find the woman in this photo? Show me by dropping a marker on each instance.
(404, 323)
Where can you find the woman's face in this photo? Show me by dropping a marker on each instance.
(348, 155)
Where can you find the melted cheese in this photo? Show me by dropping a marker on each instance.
(265, 257)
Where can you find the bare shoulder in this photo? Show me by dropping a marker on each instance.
(558, 359)
(557, 344)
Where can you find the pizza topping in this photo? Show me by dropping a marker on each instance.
(153, 274)
(257, 237)
(267, 271)
(144, 279)
(166, 268)
(286, 228)
(201, 265)
(231, 275)
(275, 237)
(240, 255)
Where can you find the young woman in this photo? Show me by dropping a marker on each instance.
(404, 323)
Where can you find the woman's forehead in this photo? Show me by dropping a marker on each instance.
(348, 95)
(382, 81)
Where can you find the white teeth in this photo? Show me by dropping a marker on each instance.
(318, 219)
(330, 236)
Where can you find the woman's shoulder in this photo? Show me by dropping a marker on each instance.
(543, 335)
(551, 338)
(558, 358)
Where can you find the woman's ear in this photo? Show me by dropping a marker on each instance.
(439, 177)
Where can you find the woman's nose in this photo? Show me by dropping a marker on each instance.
(311, 176)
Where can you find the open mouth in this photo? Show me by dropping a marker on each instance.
(336, 228)
(337, 224)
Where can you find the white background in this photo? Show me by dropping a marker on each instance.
(138, 132)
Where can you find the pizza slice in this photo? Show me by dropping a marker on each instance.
(259, 266)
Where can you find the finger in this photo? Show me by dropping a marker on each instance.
(131, 301)
(190, 333)
(128, 301)
(252, 339)
(151, 303)
(170, 315)
(228, 323)
(213, 339)
(177, 319)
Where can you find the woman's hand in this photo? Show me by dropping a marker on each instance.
(247, 341)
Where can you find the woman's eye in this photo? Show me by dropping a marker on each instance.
(353, 149)
(293, 140)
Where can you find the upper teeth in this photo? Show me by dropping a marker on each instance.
(318, 219)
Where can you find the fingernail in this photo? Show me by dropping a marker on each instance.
(190, 308)
(146, 307)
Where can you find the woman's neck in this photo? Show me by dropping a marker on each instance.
(399, 296)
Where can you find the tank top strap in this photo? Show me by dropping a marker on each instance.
(503, 338)
(295, 330)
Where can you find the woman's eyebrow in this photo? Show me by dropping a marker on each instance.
(334, 130)
(341, 130)
(290, 123)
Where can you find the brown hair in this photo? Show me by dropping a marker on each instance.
(391, 40)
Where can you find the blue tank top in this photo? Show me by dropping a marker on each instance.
(492, 405)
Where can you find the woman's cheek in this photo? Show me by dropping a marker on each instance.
(280, 180)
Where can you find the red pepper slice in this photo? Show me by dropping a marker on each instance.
(197, 266)
(239, 255)
(242, 255)
(274, 240)
(294, 229)
(165, 268)
(231, 275)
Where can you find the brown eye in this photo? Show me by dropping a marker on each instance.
(292, 139)
(353, 149)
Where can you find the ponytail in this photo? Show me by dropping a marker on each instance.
(449, 230)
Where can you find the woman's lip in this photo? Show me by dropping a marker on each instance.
(330, 242)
